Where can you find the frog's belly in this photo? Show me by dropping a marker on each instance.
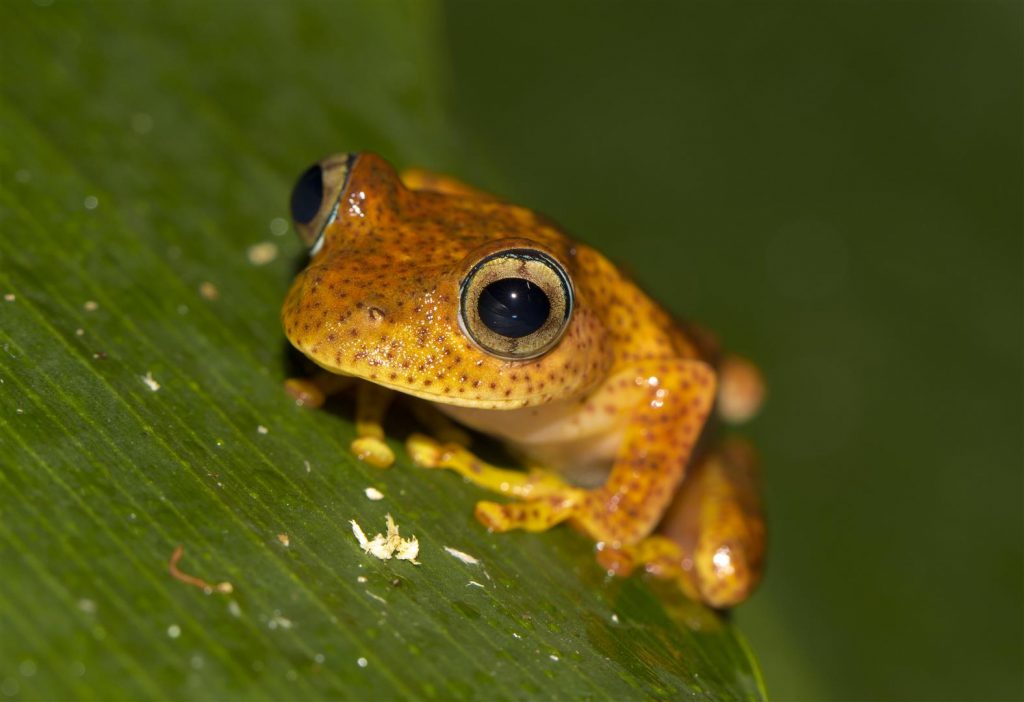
(559, 436)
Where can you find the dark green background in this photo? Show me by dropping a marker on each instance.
(837, 190)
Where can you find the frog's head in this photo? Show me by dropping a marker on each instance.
(450, 296)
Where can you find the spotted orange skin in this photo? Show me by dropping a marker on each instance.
(380, 301)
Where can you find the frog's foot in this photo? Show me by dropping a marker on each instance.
(312, 392)
(372, 402)
(741, 389)
(429, 453)
(713, 540)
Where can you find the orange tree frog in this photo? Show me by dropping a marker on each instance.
(420, 285)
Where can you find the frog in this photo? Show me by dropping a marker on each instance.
(486, 316)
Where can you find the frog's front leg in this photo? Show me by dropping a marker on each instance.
(372, 402)
(665, 403)
(713, 537)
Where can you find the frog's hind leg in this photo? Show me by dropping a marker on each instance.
(712, 539)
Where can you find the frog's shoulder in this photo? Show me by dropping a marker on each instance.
(638, 326)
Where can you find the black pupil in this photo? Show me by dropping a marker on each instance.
(513, 307)
(307, 195)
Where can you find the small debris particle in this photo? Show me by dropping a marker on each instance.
(615, 619)
(90, 306)
(234, 609)
(516, 636)
(319, 658)
(79, 332)
(373, 494)
(309, 468)
(474, 583)
(376, 597)
(142, 123)
(390, 546)
(10, 297)
(362, 662)
(361, 579)
(262, 253)
(101, 356)
(87, 605)
(553, 657)
(283, 538)
(279, 226)
(279, 621)
(172, 567)
(262, 429)
(208, 290)
(464, 557)
(174, 631)
(150, 381)
(91, 202)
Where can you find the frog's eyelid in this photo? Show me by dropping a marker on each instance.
(350, 163)
(319, 243)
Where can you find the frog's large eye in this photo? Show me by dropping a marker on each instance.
(516, 304)
(315, 197)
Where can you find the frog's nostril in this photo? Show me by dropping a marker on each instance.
(307, 195)
(376, 314)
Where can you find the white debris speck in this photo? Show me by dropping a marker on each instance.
(516, 636)
(553, 657)
(279, 226)
(150, 382)
(262, 429)
(376, 597)
(390, 546)
(262, 253)
(234, 609)
(309, 468)
(464, 557)
(86, 605)
(615, 619)
(79, 332)
(373, 494)
(319, 658)
(362, 662)
(10, 297)
(279, 621)
(142, 123)
(90, 306)
(474, 583)
(208, 290)
(174, 631)
(361, 579)
(285, 541)
(91, 202)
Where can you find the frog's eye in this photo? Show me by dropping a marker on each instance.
(315, 197)
(516, 304)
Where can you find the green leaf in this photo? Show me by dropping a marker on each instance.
(145, 149)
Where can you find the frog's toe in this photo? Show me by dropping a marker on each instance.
(424, 451)
(529, 515)
(306, 393)
(374, 451)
